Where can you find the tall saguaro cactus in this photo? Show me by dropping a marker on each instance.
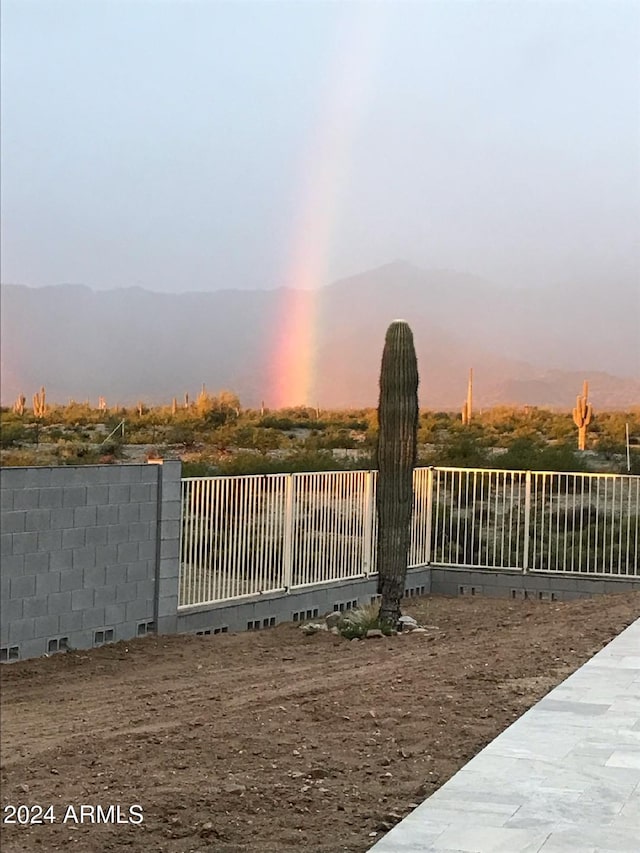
(582, 415)
(396, 459)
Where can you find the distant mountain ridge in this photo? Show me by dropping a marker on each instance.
(526, 348)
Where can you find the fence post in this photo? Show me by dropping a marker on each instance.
(527, 520)
(287, 556)
(429, 511)
(367, 546)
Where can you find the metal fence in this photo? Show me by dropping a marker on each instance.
(265, 533)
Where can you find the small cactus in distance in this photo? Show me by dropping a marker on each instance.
(583, 415)
(19, 405)
(40, 403)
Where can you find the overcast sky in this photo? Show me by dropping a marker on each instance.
(203, 145)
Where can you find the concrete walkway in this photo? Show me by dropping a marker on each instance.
(564, 778)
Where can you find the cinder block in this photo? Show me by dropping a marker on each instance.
(126, 592)
(139, 571)
(37, 519)
(37, 477)
(49, 540)
(74, 538)
(13, 478)
(129, 473)
(97, 494)
(71, 580)
(74, 496)
(143, 492)
(93, 618)
(33, 648)
(26, 499)
(117, 533)
(168, 606)
(36, 563)
(85, 516)
(115, 575)
(59, 477)
(31, 607)
(96, 536)
(169, 568)
(106, 555)
(82, 599)
(104, 595)
(127, 552)
(70, 622)
(60, 560)
(50, 498)
(149, 511)
(172, 490)
(61, 519)
(168, 587)
(150, 473)
(107, 515)
(22, 629)
(13, 608)
(170, 549)
(169, 529)
(146, 589)
(23, 586)
(168, 624)
(119, 494)
(59, 602)
(94, 576)
(140, 531)
(6, 500)
(46, 626)
(13, 565)
(147, 550)
(79, 475)
(128, 513)
(14, 522)
(114, 614)
(139, 610)
(171, 510)
(84, 558)
(47, 582)
(22, 543)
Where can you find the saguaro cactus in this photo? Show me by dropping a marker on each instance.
(18, 406)
(396, 458)
(40, 403)
(582, 415)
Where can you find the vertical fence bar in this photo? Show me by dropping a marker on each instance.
(287, 550)
(527, 521)
(367, 547)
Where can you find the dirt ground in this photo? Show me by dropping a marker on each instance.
(275, 741)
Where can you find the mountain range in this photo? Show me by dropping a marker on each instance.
(527, 347)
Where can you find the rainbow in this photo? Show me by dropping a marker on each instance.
(294, 364)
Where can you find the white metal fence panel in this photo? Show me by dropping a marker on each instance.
(587, 523)
(233, 537)
(478, 518)
(248, 535)
(332, 516)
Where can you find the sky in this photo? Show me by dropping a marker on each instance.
(179, 145)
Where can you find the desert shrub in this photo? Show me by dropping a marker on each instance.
(355, 623)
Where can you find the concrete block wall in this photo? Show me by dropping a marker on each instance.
(295, 606)
(89, 554)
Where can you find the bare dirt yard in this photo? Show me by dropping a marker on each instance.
(275, 741)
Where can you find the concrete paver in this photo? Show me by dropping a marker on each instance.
(564, 778)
